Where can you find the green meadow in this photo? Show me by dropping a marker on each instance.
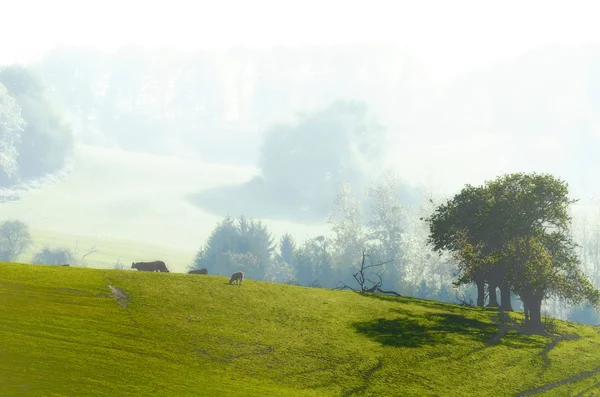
(68, 331)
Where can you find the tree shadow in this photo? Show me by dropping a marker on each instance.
(410, 330)
(431, 304)
(260, 199)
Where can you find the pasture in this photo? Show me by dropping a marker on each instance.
(133, 206)
(96, 332)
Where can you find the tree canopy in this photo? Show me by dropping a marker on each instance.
(234, 245)
(513, 232)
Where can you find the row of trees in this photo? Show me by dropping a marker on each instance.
(512, 234)
(35, 139)
(374, 219)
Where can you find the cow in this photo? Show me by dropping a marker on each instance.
(198, 271)
(66, 265)
(150, 266)
(237, 276)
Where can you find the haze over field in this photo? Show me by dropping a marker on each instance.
(152, 122)
(438, 161)
(466, 90)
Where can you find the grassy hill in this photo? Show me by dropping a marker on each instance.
(68, 331)
(132, 206)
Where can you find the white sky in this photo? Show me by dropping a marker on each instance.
(447, 36)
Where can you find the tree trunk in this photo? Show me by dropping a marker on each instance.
(505, 304)
(493, 299)
(533, 322)
(480, 292)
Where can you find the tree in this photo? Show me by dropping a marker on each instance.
(15, 239)
(314, 262)
(46, 140)
(221, 240)
(378, 223)
(514, 232)
(348, 226)
(387, 229)
(362, 278)
(287, 248)
(11, 127)
(245, 243)
(455, 227)
(229, 262)
(530, 223)
(321, 150)
(53, 256)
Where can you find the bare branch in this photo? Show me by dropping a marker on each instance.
(91, 251)
(361, 278)
(388, 292)
(378, 264)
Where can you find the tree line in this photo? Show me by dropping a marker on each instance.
(511, 235)
(374, 218)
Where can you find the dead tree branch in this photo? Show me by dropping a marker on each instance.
(91, 251)
(362, 279)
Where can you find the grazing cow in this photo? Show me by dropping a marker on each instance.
(237, 276)
(156, 266)
(198, 271)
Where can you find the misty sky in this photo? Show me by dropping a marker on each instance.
(447, 36)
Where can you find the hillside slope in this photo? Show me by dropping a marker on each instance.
(71, 332)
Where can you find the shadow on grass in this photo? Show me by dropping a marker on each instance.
(410, 330)
(431, 304)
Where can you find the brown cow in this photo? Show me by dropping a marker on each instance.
(237, 276)
(156, 266)
(198, 271)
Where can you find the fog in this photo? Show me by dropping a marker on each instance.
(457, 83)
(297, 99)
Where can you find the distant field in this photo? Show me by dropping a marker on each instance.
(92, 332)
(110, 250)
(133, 205)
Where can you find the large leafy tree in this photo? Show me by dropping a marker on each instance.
(451, 229)
(514, 233)
(530, 222)
(458, 227)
